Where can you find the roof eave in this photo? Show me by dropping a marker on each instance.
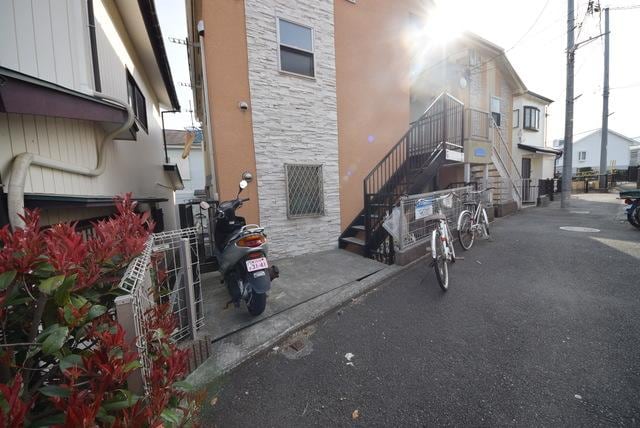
(152, 25)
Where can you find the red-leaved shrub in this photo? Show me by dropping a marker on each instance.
(64, 360)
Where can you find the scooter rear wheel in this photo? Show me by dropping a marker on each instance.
(257, 303)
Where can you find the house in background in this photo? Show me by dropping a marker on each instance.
(530, 147)
(634, 156)
(67, 73)
(479, 74)
(184, 148)
(586, 152)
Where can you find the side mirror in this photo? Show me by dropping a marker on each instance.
(247, 176)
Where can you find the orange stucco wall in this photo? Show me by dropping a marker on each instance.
(373, 87)
(228, 77)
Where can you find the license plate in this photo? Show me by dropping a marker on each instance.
(257, 264)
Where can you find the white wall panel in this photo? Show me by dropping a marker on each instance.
(61, 42)
(9, 44)
(43, 37)
(26, 43)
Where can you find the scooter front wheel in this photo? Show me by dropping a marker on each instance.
(256, 303)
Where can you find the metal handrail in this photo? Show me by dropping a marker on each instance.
(500, 158)
(440, 126)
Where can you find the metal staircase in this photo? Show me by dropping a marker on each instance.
(411, 166)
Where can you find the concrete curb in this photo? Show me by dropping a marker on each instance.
(231, 352)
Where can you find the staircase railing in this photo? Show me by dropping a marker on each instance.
(442, 121)
(506, 162)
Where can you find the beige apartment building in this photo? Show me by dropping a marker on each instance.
(318, 97)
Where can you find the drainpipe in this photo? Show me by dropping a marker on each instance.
(164, 134)
(22, 162)
(211, 180)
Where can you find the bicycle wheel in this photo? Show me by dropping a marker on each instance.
(465, 230)
(440, 264)
(484, 222)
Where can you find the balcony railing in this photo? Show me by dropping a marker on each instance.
(477, 124)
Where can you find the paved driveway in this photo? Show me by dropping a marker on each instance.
(540, 327)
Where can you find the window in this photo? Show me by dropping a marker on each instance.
(582, 156)
(137, 101)
(495, 110)
(531, 118)
(305, 195)
(516, 118)
(296, 48)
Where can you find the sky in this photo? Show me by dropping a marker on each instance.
(173, 23)
(533, 32)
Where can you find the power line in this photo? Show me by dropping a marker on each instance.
(479, 66)
(431, 67)
(635, 6)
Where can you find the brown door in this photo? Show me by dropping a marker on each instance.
(526, 179)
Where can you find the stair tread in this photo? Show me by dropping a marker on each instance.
(353, 240)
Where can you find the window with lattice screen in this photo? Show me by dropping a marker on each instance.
(305, 195)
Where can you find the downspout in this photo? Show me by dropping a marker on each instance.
(22, 162)
(211, 181)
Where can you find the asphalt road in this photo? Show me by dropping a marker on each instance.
(539, 328)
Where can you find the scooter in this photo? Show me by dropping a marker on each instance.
(632, 200)
(241, 250)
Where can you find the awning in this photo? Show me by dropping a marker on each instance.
(541, 150)
(174, 175)
(47, 201)
(24, 94)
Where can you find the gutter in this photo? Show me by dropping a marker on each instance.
(22, 162)
(150, 18)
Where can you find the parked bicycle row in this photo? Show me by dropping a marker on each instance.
(472, 222)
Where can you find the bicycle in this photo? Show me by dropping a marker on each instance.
(442, 251)
(473, 221)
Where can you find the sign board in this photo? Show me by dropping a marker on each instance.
(424, 208)
(476, 151)
(452, 155)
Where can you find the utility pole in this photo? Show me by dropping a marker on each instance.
(568, 120)
(605, 105)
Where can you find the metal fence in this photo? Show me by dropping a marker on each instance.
(416, 219)
(529, 190)
(167, 271)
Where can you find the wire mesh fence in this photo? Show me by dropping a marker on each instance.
(417, 213)
(167, 271)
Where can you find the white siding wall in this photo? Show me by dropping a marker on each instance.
(294, 121)
(541, 165)
(47, 39)
(523, 136)
(617, 149)
(50, 42)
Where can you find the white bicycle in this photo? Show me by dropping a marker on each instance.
(442, 251)
(473, 221)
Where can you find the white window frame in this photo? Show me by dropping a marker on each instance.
(312, 51)
(534, 118)
(582, 156)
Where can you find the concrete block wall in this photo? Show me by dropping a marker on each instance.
(294, 121)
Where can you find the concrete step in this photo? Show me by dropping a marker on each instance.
(353, 240)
